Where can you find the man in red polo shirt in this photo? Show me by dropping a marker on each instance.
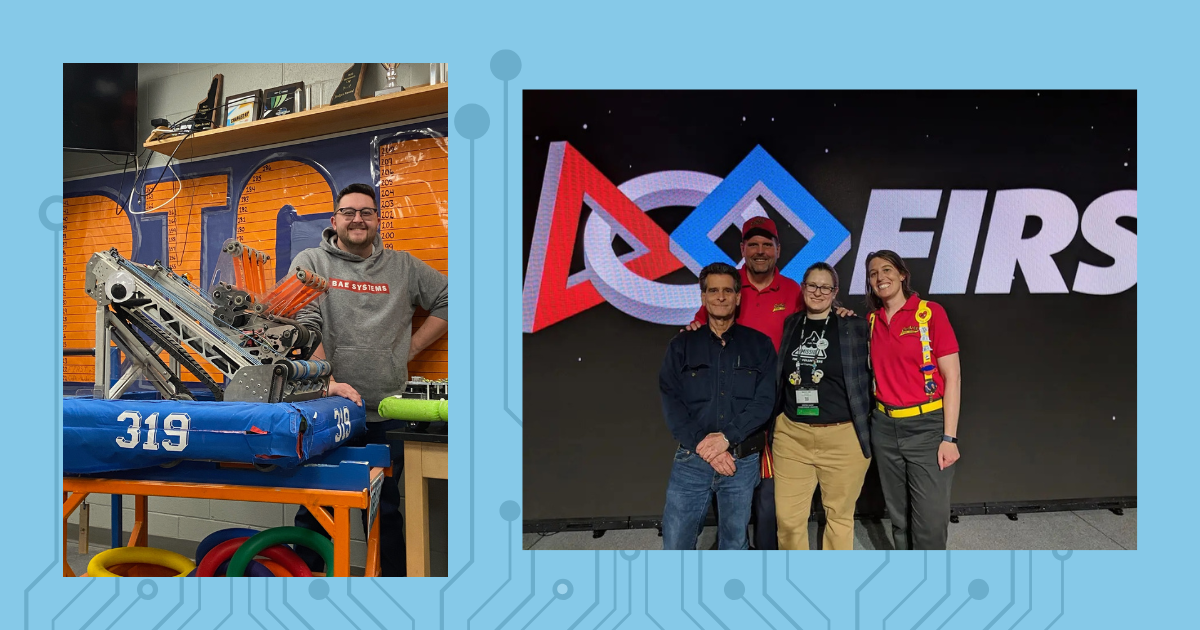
(767, 299)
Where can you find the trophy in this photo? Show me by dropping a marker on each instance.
(390, 74)
(316, 95)
(437, 73)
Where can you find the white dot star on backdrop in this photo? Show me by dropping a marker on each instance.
(585, 125)
(537, 138)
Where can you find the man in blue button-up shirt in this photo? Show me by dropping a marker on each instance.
(718, 388)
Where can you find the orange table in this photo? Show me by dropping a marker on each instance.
(76, 489)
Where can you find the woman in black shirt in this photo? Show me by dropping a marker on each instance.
(821, 434)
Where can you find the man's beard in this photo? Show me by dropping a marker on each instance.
(348, 237)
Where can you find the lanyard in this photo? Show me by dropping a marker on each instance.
(822, 344)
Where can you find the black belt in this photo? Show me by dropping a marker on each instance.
(754, 444)
(749, 446)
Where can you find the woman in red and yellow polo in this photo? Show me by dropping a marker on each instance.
(914, 427)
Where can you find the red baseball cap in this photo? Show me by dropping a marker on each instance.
(762, 225)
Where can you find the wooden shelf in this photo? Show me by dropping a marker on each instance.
(413, 102)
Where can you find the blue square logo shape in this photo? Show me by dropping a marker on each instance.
(759, 175)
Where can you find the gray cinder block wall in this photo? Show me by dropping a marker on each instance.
(171, 91)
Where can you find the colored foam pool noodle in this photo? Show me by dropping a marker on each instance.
(98, 566)
(279, 536)
(396, 408)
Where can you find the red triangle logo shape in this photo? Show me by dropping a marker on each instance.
(550, 296)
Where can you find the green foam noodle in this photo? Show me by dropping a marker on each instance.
(397, 408)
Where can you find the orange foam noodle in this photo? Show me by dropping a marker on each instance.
(248, 270)
(289, 305)
(265, 272)
(239, 274)
(252, 274)
(285, 291)
(260, 275)
(280, 304)
(305, 301)
(295, 304)
(314, 285)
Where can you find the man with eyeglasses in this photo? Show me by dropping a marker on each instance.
(365, 321)
(718, 390)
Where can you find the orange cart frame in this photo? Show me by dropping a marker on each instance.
(76, 489)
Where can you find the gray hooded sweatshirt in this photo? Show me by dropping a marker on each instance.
(365, 317)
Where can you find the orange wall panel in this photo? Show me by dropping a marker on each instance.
(414, 217)
(91, 223)
(184, 227)
(271, 187)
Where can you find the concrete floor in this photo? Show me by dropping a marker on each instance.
(1092, 529)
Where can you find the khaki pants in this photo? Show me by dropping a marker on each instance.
(805, 457)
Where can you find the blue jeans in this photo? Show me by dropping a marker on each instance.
(693, 481)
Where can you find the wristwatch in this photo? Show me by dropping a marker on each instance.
(949, 438)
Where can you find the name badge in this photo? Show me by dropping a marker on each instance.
(806, 401)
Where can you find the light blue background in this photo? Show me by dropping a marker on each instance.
(612, 45)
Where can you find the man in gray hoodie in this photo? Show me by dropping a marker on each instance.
(365, 321)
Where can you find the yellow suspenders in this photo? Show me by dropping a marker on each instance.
(924, 313)
(927, 366)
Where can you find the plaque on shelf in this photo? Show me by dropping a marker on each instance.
(205, 117)
(242, 108)
(283, 100)
(350, 89)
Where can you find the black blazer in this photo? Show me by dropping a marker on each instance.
(856, 371)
